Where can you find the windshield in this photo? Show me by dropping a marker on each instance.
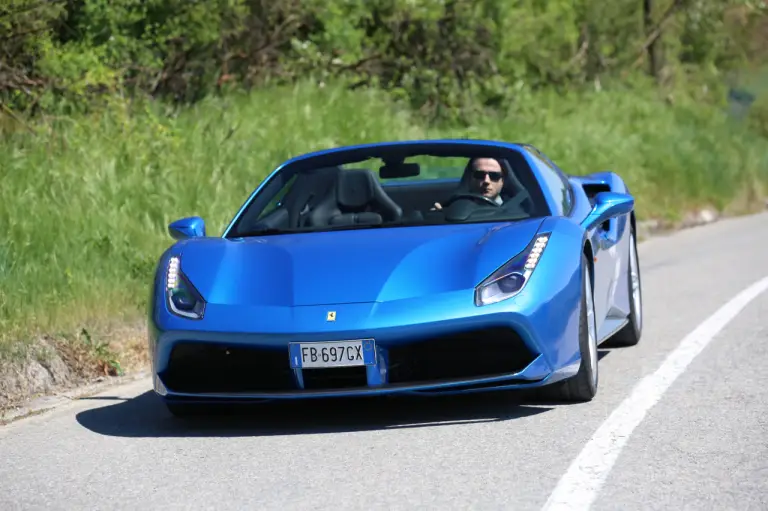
(408, 191)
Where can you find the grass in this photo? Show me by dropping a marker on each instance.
(85, 202)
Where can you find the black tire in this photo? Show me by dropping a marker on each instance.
(583, 386)
(630, 334)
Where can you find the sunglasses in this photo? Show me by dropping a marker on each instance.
(480, 175)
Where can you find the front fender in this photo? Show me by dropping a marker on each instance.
(558, 284)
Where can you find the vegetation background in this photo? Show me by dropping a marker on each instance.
(119, 116)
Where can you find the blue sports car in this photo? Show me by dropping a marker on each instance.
(431, 267)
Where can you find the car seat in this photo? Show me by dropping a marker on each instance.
(357, 198)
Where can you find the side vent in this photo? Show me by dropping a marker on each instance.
(592, 190)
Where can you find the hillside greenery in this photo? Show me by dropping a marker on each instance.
(119, 116)
(445, 57)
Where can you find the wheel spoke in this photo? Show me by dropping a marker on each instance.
(635, 278)
(591, 326)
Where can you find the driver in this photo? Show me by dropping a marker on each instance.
(487, 179)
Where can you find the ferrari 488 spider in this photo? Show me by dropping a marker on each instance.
(433, 266)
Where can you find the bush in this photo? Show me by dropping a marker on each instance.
(446, 58)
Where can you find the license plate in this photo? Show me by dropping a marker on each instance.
(307, 355)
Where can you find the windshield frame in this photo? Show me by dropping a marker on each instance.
(397, 151)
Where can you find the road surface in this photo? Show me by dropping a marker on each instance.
(693, 436)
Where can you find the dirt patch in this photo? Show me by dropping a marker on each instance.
(38, 370)
(51, 365)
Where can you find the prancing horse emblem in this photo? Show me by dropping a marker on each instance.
(331, 316)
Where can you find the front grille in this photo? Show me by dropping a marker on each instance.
(210, 367)
(200, 367)
(472, 354)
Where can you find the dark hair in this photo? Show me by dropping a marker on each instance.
(472, 161)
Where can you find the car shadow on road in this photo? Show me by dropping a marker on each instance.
(146, 416)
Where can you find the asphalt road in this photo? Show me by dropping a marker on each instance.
(703, 443)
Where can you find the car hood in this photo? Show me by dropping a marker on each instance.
(351, 266)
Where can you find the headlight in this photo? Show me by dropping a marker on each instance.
(510, 279)
(182, 297)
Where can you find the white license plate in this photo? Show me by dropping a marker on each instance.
(305, 355)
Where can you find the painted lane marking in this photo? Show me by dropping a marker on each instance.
(580, 485)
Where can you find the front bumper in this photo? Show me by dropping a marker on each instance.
(494, 351)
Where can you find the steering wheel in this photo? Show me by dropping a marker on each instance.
(472, 196)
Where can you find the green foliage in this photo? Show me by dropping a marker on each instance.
(758, 116)
(446, 58)
(26, 34)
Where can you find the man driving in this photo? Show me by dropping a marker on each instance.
(486, 178)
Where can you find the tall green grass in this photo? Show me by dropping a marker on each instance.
(84, 202)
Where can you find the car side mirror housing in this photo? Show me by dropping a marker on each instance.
(190, 227)
(608, 205)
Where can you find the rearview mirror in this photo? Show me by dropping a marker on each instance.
(190, 227)
(396, 170)
(608, 205)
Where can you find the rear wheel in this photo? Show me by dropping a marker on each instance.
(630, 334)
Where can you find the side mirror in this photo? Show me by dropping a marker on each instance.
(607, 206)
(190, 227)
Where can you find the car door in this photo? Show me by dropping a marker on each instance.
(606, 242)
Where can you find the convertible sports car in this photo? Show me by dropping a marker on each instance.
(395, 268)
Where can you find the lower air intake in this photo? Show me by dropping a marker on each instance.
(467, 355)
(200, 367)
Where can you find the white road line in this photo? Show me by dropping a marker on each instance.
(579, 486)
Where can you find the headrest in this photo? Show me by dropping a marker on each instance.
(355, 188)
